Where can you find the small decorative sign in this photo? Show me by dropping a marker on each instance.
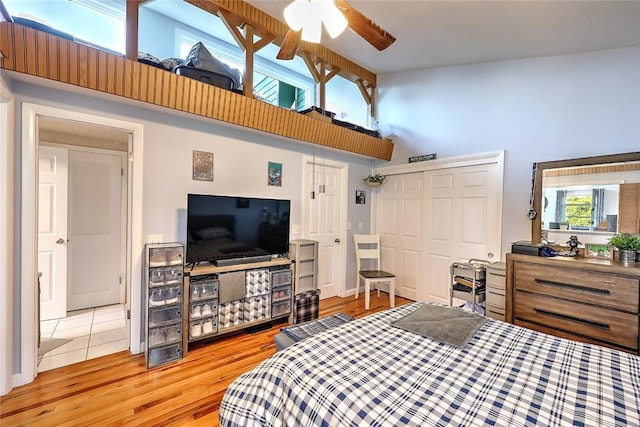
(361, 197)
(202, 166)
(422, 158)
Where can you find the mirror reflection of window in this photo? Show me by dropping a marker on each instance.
(584, 208)
(586, 198)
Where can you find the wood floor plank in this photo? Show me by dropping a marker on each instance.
(118, 389)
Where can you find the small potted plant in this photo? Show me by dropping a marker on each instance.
(627, 244)
(374, 179)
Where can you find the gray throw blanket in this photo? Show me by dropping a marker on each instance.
(444, 324)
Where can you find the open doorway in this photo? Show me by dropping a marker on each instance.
(82, 223)
(29, 310)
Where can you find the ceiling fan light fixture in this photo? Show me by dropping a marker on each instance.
(312, 30)
(334, 21)
(297, 14)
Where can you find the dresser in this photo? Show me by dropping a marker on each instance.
(584, 299)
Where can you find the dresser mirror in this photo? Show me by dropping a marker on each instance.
(590, 197)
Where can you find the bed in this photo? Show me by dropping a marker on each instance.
(369, 373)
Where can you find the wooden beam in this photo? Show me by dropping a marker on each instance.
(266, 25)
(363, 91)
(226, 18)
(245, 42)
(131, 25)
(248, 61)
(311, 65)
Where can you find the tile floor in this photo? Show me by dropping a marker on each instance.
(93, 332)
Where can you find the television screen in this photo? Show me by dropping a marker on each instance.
(228, 228)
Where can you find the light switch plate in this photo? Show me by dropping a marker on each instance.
(155, 238)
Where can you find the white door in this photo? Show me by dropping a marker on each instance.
(400, 224)
(463, 221)
(96, 269)
(322, 223)
(52, 231)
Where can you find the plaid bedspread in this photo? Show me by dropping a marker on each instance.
(368, 373)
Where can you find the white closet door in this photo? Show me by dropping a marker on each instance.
(95, 229)
(400, 224)
(463, 221)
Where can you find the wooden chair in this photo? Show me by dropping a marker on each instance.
(368, 250)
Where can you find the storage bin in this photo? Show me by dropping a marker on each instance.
(161, 355)
(281, 293)
(280, 308)
(165, 335)
(280, 277)
(230, 313)
(257, 282)
(201, 291)
(256, 308)
(165, 296)
(163, 316)
(203, 328)
(199, 310)
(306, 306)
(159, 257)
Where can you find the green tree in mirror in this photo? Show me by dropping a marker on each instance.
(578, 211)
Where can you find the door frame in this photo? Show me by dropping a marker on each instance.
(29, 191)
(7, 144)
(343, 197)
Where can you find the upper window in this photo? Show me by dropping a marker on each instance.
(99, 23)
(275, 85)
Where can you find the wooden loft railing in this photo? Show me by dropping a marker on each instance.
(32, 52)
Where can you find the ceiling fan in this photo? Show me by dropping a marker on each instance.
(305, 17)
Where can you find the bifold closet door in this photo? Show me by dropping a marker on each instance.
(400, 223)
(462, 221)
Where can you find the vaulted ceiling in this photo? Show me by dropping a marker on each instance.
(442, 33)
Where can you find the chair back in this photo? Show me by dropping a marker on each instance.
(367, 248)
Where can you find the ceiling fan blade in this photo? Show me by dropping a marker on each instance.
(290, 45)
(365, 27)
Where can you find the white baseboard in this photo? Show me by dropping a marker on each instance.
(17, 380)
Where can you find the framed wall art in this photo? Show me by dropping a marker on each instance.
(202, 166)
(361, 197)
(274, 172)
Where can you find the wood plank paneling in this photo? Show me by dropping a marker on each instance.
(47, 56)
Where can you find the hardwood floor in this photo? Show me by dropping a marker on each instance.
(119, 390)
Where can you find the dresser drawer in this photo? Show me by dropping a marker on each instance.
(600, 323)
(495, 297)
(589, 287)
(494, 312)
(496, 275)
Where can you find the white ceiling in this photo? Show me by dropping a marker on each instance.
(441, 33)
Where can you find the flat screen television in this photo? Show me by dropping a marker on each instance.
(224, 230)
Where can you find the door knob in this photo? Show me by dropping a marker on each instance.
(337, 240)
(60, 241)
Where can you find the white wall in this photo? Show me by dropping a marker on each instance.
(537, 109)
(240, 166)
